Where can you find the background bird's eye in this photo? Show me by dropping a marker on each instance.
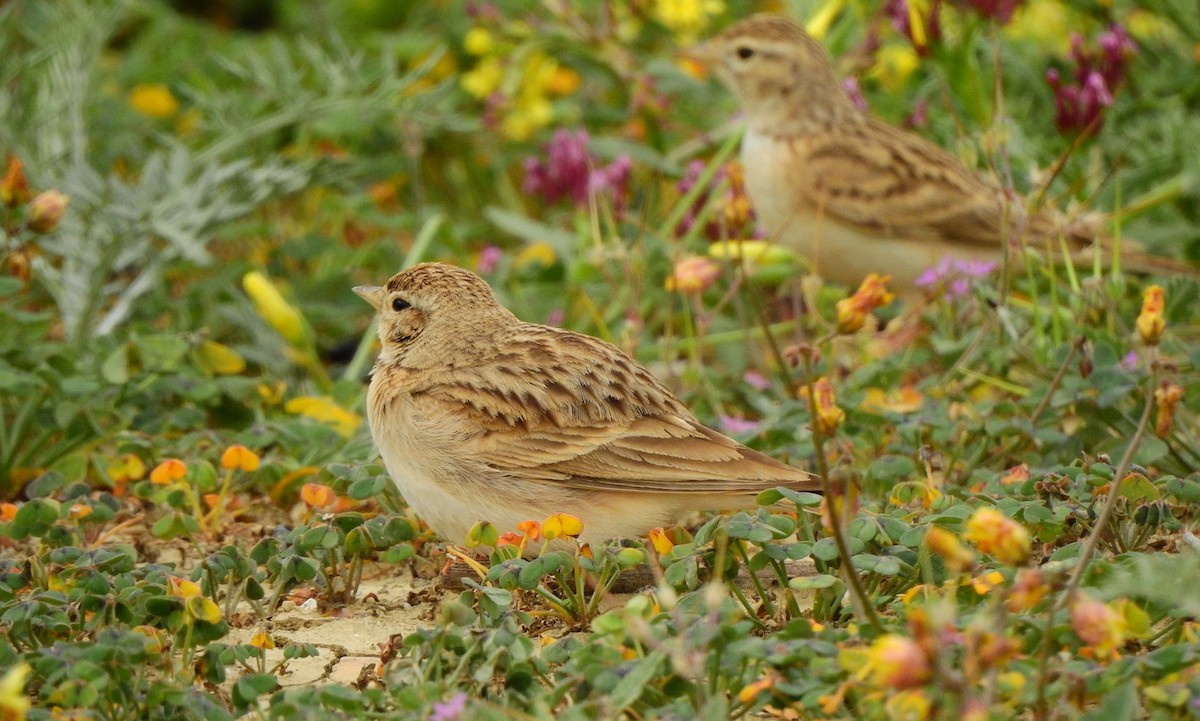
(744, 52)
(399, 304)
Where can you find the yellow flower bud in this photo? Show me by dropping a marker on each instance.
(852, 312)
(284, 318)
(1150, 323)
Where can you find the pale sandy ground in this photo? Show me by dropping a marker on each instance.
(391, 603)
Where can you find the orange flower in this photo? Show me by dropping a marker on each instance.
(658, 539)
(852, 312)
(238, 456)
(1150, 323)
(532, 530)
(998, 536)
(80, 510)
(562, 524)
(318, 495)
(168, 471)
(946, 544)
(8, 511)
(1166, 398)
(1098, 625)
(693, 274)
(14, 188)
(751, 690)
(829, 415)
(898, 662)
(508, 538)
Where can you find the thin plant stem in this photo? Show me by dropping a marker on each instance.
(1054, 382)
(835, 521)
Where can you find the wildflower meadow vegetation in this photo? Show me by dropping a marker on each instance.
(193, 511)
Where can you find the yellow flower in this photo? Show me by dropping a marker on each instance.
(183, 588)
(80, 510)
(1047, 23)
(1028, 590)
(325, 410)
(168, 471)
(984, 583)
(219, 359)
(541, 253)
(478, 41)
(1166, 398)
(532, 113)
(1150, 323)
(820, 21)
(905, 400)
(562, 524)
(154, 100)
(828, 416)
(1098, 625)
(658, 538)
(898, 662)
(563, 81)
(284, 318)
(946, 544)
(482, 80)
(262, 640)
(126, 468)
(756, 251)
(998, 536)
(693, 275)
(872, 293)
(894, 64)
(13, 701)
(687, 18)
(912, 705)
(238, 456)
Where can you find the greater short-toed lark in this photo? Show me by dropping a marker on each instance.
(853, 194)
(480, 416)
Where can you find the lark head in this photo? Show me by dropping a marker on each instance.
(775, 68)
(433, 308)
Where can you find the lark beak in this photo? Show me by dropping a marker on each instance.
(373, 294)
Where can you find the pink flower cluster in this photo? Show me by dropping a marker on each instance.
(570, 171)
(1079, 104)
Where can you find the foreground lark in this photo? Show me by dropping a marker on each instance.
(480, 416)
(853, 194)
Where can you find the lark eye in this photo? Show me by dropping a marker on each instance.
(399, 304)
(745, 53)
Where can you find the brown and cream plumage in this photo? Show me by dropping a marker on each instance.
(480, 416)
(854, 194)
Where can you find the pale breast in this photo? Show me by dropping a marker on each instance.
(776, 178)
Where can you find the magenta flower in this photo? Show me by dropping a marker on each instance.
(850, 85)
(756, 380)
(489, 258)
(1079, 104)
(998, 10)
(451, 710)
(570, 171)
(953, 276)
(898, 12)
(733, 424)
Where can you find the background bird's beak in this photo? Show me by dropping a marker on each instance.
(373, 294)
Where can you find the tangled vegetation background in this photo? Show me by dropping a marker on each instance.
(191, 188)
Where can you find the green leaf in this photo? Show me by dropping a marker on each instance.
(631, 686)
(115, 368)
(1119, 704)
